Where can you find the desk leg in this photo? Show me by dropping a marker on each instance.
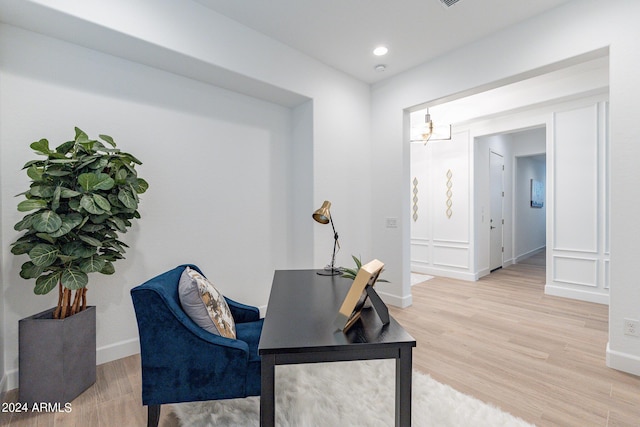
(267, 391)
(404, 372)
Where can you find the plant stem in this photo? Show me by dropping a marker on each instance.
(56, 313)
(84, 298)
(76, 302)
(65, 303)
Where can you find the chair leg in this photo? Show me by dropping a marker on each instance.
(153, 416)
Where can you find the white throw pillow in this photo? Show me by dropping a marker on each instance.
(205, 305)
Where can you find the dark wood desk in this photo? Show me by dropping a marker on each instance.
(298, 328)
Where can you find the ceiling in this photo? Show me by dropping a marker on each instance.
(343, 33)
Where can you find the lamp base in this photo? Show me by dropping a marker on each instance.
(329, 272)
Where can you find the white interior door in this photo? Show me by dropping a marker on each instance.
(496, 222)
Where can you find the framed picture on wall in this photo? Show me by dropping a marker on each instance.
(537, 194)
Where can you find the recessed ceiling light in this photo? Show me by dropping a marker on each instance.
(380, 51)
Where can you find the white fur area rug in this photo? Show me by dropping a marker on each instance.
(349, 394)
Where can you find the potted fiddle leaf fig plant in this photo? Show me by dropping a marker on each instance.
(83, 194)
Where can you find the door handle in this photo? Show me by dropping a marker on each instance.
(491, 227)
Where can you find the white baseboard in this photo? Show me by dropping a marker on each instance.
(441, 272)
(529, 254)
(624, 362)
(117, 351)
(3, 385)
(263, 310)
(396, 300)
(577, 294)
(11, 380)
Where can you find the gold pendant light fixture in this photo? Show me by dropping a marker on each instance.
(428, 131)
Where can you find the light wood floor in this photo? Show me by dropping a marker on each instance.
(500, 339)
(503, 341)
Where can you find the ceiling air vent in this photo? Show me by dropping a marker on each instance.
(449, 3)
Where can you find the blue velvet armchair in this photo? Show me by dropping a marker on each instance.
(181, 362)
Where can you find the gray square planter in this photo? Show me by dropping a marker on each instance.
(57, 357)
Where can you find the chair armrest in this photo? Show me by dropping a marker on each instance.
(242, 313)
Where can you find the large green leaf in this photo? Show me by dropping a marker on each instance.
(141, 185)
(121, 175)
(131, 157)
(92, 264)
(22, 248)
(92, 228)
(24, 224)
(73, 279)
(116, 245)
(90, 240)
(86, 161)
(55, 202)
(100, 219)
(89, 203)
(43, 191)
(43, 255)
(119, 223)
(41, 147)
(65, 147)
(74, 204)
(63, 161)
(69, 222)
(44, 284)
(87, 180)
(78, 249)
(58, 171)
(31, 204)
(80, 135)
(35, 173)
(127, 199)
(105, 182)
(100, 164)
(95, 181)
(47, 221)
(67, 193)
(108, 268)
(30, 271)
(32, 162)
(47, 237)
(101, 202)
(107, 139)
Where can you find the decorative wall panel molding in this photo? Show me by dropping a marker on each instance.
(450, 256)
(575, 271)
(449, 194)
(420, 252)
(577, 171)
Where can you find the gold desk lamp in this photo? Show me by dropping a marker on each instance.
(323, 216)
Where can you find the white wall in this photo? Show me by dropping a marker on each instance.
(530, 230)
(234, 179)
(218, 164)
(574, 29)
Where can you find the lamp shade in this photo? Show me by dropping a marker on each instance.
(322, 215)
